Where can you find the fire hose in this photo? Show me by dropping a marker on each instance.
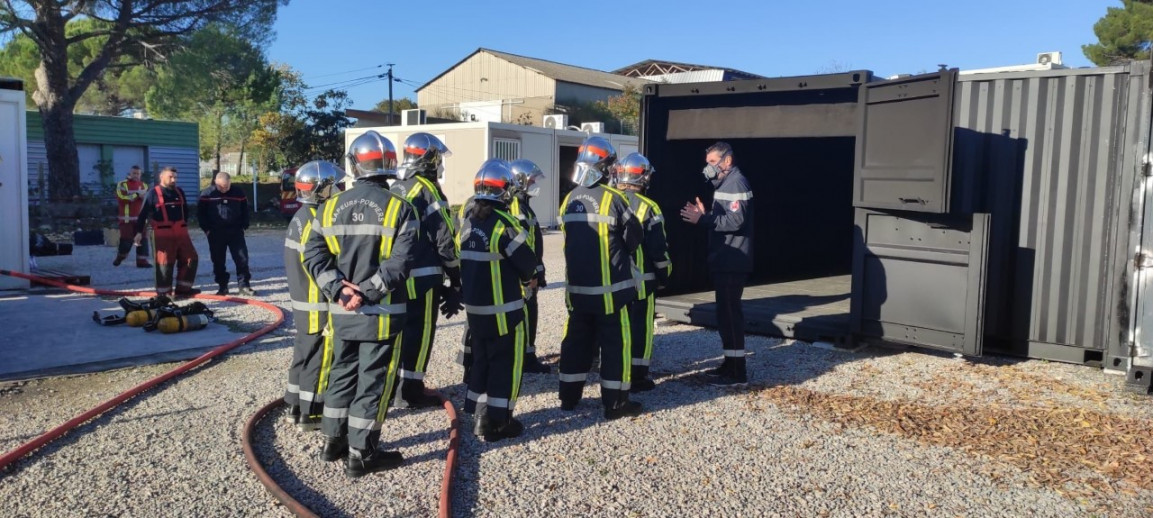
(294, 506)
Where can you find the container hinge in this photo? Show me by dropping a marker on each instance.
(1143, 260)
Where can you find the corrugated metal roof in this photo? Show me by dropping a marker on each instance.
(556, 71)
(98, 129)
(645, 68)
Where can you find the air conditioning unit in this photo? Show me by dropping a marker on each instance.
(1050, 58)
(412, 117)
(593, 127)
(558, 121)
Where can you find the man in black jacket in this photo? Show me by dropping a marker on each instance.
(223, 213)
(730, 224)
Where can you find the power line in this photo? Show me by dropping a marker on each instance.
(346, 72)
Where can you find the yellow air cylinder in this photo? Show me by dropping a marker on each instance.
(181, 324)
(139, 317)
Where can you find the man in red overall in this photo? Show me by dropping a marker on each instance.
(165, 205)
(130, 196)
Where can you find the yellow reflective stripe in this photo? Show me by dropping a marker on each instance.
(426, 332)
(518, 361)
(603, 244)
(495, 275)
(327, 221)
(444, 211)
(383, 404)
(385, 322)
(649, 329)
(627, 346)
(122, 187)
(326, 359)
(314, 291)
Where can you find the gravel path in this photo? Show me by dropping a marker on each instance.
(811, 436)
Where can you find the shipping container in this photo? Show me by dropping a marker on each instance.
(963, 212)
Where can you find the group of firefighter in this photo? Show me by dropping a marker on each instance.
(371, 265)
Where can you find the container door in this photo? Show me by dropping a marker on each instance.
(920, 279)
(905, 142)
(13, 189)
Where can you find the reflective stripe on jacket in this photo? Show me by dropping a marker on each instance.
(601, 235)
(496, 260)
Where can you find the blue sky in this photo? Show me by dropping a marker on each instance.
(329, 40)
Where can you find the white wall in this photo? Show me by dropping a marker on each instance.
(13, 188)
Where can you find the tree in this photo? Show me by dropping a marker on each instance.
(399, 105)
(120, 88)
(319, 131)
(137, 31)
(1123, 34)
(625, 108)
(220, 80)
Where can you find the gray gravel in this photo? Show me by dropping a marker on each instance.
(697, 450)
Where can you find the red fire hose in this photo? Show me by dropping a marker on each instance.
(55, 433)
(298, 509)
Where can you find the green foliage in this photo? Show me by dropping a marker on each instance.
(625, 109)
(122, 87)
(220, 80)
(1123, 34)
(399, 105)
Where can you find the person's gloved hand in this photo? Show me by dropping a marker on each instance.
(369, 293)
(451, 301)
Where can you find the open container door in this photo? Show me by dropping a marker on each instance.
(919, 273)
(905, 143)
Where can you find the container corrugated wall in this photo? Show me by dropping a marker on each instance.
(1049, 148)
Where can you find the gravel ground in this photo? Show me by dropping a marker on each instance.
(696, 451)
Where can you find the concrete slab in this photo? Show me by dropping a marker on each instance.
(53, 334)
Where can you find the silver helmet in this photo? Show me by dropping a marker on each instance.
(634, 170)
(528, 177)
(494, 181)
(595, 160)
(316, 180)
(373, 155)
(424, 155)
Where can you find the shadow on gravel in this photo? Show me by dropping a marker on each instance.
(680, 360)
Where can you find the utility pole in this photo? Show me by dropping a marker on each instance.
(390, 75)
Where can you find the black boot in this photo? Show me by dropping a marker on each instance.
(624, 408)
(413, 395)
(363, 462)
(246, 291)
(507, 430)
(336, 448)
(307, 423)
(642, 385)
(294, 414)
(532, 365)
(223, 290)
(481, 423)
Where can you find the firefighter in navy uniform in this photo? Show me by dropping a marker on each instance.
(527, 174)
(729, 221)
(498, 269)
(434, 261)
(652, 261)
(601, 235)
(312, 350)
(360, 253)
(166, 207)
(223, 214)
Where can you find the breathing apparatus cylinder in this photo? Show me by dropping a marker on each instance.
(139, 317)
(182, 323)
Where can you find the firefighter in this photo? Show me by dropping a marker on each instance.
(312, 350)
(729, 221)
(129, 198)
(167, 208)
(223, 215)
(601, 235)
(651, 260)
(360, 252)
(434, 261)
(498, 269)
(527, 174)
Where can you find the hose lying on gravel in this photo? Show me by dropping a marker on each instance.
(55, 433)
(299, 510)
